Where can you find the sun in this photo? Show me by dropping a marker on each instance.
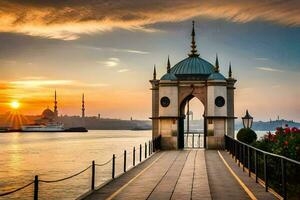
(15, 104)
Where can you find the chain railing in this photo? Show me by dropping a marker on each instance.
(279, 173)
(145, 151)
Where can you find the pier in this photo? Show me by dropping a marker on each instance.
(184, 174)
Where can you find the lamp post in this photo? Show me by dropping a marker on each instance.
(247, 120)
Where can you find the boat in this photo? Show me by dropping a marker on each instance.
(50, 127)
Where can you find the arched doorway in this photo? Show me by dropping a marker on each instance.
(192, 124)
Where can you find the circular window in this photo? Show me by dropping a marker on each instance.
(220, 101)
(164, 101)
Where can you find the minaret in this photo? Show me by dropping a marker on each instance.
(55, 104)
(217, 67)
(154, 73)
(82, 107)
(230, 72)
(168, 65)
(193, 45)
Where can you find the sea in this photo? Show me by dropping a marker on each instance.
(54, 156)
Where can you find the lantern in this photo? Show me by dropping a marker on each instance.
(247, 120)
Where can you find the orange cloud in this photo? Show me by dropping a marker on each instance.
(67, 20)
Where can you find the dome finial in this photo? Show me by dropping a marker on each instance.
(217, 67)
(194, 46)
(168, 65)
(154, 73)
(230, 72)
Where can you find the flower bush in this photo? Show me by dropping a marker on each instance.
(285, 141)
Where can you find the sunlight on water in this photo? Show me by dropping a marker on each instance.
(57, 155)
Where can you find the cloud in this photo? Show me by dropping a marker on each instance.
(269, 69)
(261, 59)
(67, 20)
(114, 49)
(123, 70)
(111, 62)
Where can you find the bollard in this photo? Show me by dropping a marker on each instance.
(133, 157)
(124, 160)
(93, 175)
(113, 166)
(36, 188)
(140, 153)
(145, 150)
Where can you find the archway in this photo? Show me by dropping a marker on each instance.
(192, 124)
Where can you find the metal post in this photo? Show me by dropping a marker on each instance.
(256, 168)
(239, 151)
(36, 188)
(235, 150)
(133, 157)
(266, 171)
(199, 140)
(249, 162)
(124, 160)
(93, 175)
(283, 178)
(140, 153)
(113, 166)
(145, 150)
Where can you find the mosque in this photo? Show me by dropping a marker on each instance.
(193, 77)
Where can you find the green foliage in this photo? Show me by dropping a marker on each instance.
(246, 135)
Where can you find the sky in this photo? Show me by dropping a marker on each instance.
(107, 50)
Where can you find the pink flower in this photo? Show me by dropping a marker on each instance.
(294, 129)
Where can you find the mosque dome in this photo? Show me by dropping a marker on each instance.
(169, 77)
(48, 114)
(193, 65)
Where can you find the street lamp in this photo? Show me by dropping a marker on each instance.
(247, 120)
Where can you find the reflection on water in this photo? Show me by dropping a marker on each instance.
(57, 155)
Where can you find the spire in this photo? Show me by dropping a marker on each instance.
(168, 65)
(217, 67)
(55, 104)
(194, 46)
(230, 72)
(83, 108)
(154, 73)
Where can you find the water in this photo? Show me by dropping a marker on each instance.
(57, 155)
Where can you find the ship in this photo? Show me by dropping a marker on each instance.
(50, 127)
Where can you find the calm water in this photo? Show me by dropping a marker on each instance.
(57, 155)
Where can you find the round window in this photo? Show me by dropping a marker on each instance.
(164, 101)
(220, 101)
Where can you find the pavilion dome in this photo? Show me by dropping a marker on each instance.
(216, 76)
(169, 77)
(193, 65)
(48, 114)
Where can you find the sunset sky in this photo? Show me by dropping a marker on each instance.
(107, 49)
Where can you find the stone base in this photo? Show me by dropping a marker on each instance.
(169, 143)
(215, 142)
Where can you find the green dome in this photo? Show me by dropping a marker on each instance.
(169, 77)
(216, 76)
(193, 65)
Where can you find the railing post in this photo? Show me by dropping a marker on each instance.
(124, 160)
(193, 141)
(113, 166)
(235, 151)
(36, 188)
(149, 153)
(266, 171)
(145, 150)
(239, 153)
(133, 157)
(283, 178)
(93, 175)
(244, 156)
(140, 153)
(249, 161)
(255, 165)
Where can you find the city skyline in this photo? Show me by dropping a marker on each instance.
(110, 58)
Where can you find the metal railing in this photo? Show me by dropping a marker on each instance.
(194, 140)
(277, 172)
(150, 147)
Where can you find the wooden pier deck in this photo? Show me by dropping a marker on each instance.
(185, 174)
